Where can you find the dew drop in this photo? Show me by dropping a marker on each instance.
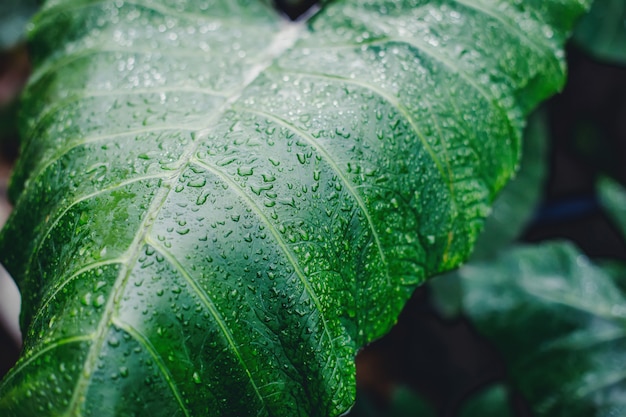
(245, 171)
(196, 378)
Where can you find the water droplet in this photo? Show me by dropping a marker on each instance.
(245, 171)
(99, 301)
(268, 177)
(274, 162)
(202, 198)
(196, 378)
(197, 182)
(226, 161)
(86, 299)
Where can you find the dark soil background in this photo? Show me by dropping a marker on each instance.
(446, 360)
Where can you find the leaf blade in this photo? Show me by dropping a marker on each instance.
(248, 249)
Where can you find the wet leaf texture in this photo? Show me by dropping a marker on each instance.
(215, 208)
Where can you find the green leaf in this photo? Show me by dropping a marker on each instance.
(216, 208)
(616, 270)
(491, 401)
(405, 402)
(560, 323)
(516, 204)
(602, 31)
(14, 15)
(612, 197)
(511, 212)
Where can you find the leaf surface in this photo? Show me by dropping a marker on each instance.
(511, 212)
(216, 208)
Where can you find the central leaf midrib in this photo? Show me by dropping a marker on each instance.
(282, 41)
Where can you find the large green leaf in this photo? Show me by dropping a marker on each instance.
(560, 323)
(216, 208)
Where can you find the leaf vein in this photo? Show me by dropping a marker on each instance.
(98, 138)
(23, 364)
(145, 342)
(279, 240)
(209, 304)
(75, 95)
(77, 201)
(335, 167)
(497, 14)
(65, 282)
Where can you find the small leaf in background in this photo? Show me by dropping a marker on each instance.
(612, 197)
(405, 403)
(491, 401)
(14, 14)
(560, 323)
(602, 32)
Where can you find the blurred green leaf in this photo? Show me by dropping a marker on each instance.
(512, 210)
(613, 199)
(616, 270)
(405, 403)
(515, 205)
(602, 32)
(14, 14)
(490, 402)
(560, 323)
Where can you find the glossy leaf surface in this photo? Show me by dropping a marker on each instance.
(215, 208)
(515, 205)
(560, 323)
(511, 212)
